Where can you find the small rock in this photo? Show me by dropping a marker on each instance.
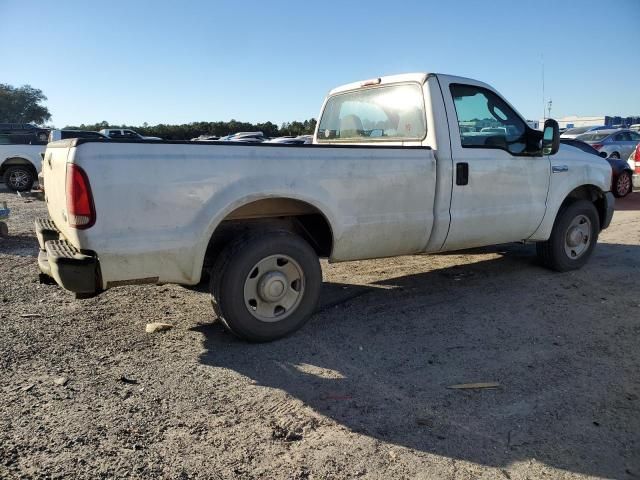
(130, 381)
(61, 381)
(158, 327)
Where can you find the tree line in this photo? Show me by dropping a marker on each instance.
(191, 130)
(25, 105)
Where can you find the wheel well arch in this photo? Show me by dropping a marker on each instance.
(272, 213)
(12, 161)
(590, 193)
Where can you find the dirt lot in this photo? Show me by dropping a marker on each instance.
(361, 391)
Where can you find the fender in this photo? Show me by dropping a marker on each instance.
(17, 157)
(243, 193)
(570, 168)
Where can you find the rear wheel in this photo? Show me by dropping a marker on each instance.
(623, 185)
(19, 178)
(265, 287)
(573, 238)
(614, 155)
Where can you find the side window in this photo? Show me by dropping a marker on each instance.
(635, 137)
(486, 121)
(130, 134)
(620, 137)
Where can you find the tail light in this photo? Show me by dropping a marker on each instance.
(636, 158)
(597, 146)
(81, 213)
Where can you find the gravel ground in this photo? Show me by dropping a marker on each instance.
(360, 391)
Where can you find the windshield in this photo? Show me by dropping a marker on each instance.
(577, 131)
(593, 137)
(387, 113)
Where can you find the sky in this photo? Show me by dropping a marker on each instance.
(130, 62)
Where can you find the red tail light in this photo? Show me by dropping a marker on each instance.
(597, 146)
(81, 212)
(636, 158)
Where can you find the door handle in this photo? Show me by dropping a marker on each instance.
(462, 173)
(559, 168)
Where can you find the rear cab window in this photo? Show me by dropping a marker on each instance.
(376, 114)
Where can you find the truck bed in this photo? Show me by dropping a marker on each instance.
(158, 202)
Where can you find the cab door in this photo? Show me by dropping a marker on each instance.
(500, 182)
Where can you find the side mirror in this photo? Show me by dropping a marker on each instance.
(603, 154)
(550, 137)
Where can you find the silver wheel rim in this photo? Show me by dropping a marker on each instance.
(274, 288)
(624, 182)
(578, 237)
(19, 179)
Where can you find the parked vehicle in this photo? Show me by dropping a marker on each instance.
(125, 133)
(574, 132)
(622, 172)
(634, 164)
(205, 138)
(300, 140)
(376, 183)
(20, 157)
(244, 137)
(635, 127)
(32, 132)
(615, 143)
(56, 135)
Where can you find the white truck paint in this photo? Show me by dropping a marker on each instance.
(19, 164)
(165, 211)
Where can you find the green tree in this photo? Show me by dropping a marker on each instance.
(22, 105)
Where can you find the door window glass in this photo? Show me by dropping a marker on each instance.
(486, 121)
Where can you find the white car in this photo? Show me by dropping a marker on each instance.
(20, 159)
(390, 173)
(125, 133)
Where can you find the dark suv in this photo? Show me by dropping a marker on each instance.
(23, 134)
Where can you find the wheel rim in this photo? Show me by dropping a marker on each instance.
(19, 178)
(274, 288)
(614, 155)
(578, 237)
(624, 184)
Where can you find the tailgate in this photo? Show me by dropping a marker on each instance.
(54, 170)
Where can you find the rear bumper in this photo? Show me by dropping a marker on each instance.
(636, 180)
(609, 204)
(73, 270)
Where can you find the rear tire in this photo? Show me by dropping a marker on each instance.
(265, 286)
(573, 238)
(614, 155)
(19, 178)
(623, 185)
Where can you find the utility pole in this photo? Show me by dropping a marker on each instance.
(549, 107)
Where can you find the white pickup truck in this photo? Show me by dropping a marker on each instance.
(399, 165)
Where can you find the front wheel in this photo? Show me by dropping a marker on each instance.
(265, 287)
(615, 155)
(623, 185)
(19, 178)
(573, 238)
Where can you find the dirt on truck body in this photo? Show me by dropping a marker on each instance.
(362, 392)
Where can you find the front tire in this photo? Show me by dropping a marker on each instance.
(266, 286)
(573, 238)
(623, 185)
(615, 155)
(19, 178)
